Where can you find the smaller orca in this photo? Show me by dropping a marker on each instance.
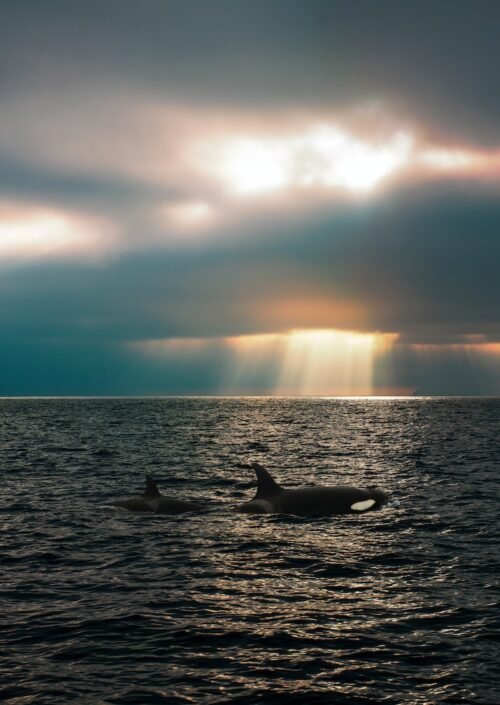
(271, 498)
(153, 501)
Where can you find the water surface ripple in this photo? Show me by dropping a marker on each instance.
(104, 607)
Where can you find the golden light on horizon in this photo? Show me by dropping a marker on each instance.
(317, 362)
(328, 362)
(471, 350)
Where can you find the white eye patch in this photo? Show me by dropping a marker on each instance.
(362, 506)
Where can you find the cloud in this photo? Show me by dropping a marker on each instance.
(36, 233)
(436, 64)
(350, 183)
(88, 189)
(421, 264)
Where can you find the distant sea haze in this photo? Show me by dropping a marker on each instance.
(393, 606)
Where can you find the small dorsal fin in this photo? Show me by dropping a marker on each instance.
(151, 488)
(266, 486)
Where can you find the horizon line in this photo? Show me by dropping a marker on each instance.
(249, 396)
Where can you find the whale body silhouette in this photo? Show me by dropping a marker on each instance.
(271, 498)
(153, 501)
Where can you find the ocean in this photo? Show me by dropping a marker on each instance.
(396, 606)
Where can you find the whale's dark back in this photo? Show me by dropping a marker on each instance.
(319, 501)
(309, 501)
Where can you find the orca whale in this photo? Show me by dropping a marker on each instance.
(153, 501)
(271, 498)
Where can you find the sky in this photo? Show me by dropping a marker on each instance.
(249, 197)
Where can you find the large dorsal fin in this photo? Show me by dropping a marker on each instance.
(151, 488)
(266, 486)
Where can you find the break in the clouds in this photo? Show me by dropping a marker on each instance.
(249, 197)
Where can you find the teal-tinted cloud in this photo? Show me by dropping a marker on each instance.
(423, 264)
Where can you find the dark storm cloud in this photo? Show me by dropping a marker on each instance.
(25, 181)
(437, 62)
(426, 261)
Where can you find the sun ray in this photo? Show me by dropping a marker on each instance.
(320, 362)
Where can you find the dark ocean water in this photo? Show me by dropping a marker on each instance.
(391, 607)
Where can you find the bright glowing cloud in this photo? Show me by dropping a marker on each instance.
(471, 350)
(323, 156)
(28, 232)
(460, 161)
(186, 220)
(449, 159)
(326, 156)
